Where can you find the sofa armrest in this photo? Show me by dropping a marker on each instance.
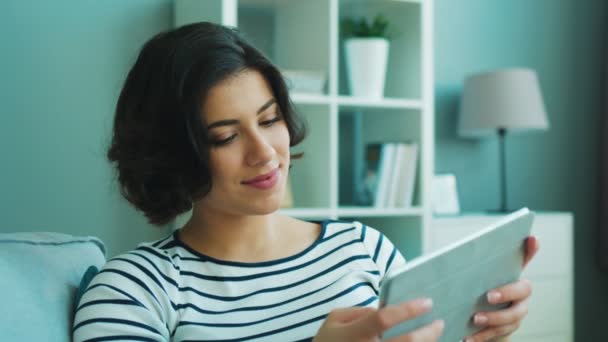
(40, 275)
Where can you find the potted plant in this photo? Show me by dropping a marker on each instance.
(366, 46)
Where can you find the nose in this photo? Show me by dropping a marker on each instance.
(260, 152)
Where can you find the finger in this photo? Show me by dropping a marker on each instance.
(491, 333)
(532, 246)
(378, 321)
(429, 332)
(346, 315)
(511, 315)
(516, 291)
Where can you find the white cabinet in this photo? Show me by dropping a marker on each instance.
(305, 35)
(550, 316)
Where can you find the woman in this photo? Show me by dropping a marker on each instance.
(204, 122)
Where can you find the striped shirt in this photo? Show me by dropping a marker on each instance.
(165, 291)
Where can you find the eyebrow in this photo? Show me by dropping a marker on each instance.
(234, 121)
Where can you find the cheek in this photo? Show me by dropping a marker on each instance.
(283, 142)
(223, 163)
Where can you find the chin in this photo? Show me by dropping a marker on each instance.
(265, 207)
(260, 210)
(258, 203)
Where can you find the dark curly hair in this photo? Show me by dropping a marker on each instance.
(159, 144)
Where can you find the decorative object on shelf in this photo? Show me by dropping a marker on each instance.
(390, 174)
(445, 195)
(501, 101)
(366, 47)
(305, 81)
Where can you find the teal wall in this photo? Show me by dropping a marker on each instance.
(564, 41)
(62, 63)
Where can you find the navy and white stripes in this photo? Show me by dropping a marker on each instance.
(165, 291)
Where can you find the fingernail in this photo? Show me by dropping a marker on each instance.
(494, 296)
(426, 303)
(468, 339)
(480, 319)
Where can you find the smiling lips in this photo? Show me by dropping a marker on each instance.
(265, 181)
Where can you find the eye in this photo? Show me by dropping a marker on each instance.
(223, 142)
(268, 123)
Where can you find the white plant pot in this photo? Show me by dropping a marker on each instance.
(366, 60)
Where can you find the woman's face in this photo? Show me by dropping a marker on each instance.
(249, 153)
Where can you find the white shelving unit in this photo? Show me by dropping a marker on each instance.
(304, 35)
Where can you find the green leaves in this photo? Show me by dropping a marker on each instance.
(360, 28)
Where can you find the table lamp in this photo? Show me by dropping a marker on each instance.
(501, 101)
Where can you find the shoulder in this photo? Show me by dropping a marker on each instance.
(147, 272)
(131, 294)
(380, 248)
(148, 257)
(352, 229)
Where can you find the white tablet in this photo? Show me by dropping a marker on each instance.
(458, 276)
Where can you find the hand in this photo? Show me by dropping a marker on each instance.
(367, 324)
(504, 322)
(531, 249)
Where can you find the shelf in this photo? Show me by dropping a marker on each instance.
(354, 2)
(302, 98)
(352, 211)
(261, 4)
(308, 212)
(354, 102)
(379, 212)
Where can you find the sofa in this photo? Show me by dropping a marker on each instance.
(41, 276)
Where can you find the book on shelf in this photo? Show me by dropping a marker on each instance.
(390, 174)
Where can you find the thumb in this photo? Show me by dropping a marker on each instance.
(347, 315)
(532, 247)
(376, 322)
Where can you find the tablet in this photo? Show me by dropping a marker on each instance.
(458, 276)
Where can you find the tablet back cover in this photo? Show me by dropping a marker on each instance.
(457, 277)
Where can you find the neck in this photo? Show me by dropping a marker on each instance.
(229, 237)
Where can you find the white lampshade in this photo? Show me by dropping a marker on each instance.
(509, 99)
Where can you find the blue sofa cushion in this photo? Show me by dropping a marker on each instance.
(40, 276)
